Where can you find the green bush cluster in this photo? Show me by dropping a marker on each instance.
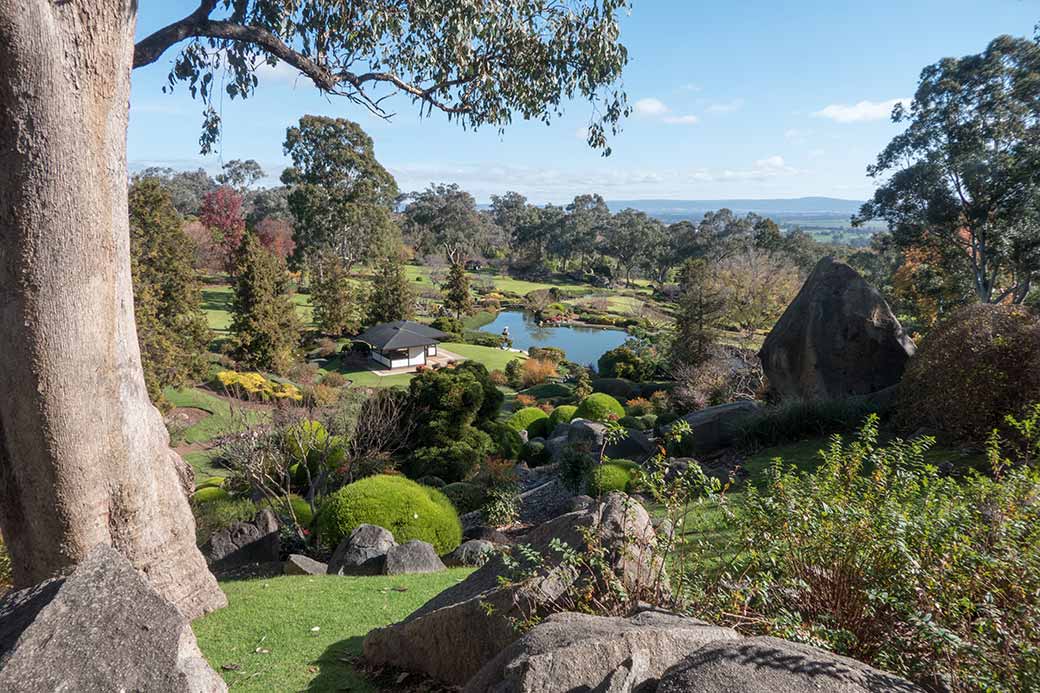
(642, 423)
(981, 362)
(561, 414)
(465, 496)
(625, 362)
(880, 556)
(554, 354)
(599, 407)
(405, 508)
(534, 454)
(215, 515)
(209, 494)
(615, 475)
(794, 420)
(507, 440)
(530, 419)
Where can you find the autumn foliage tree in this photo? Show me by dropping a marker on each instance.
(222, 213)
(171, 327)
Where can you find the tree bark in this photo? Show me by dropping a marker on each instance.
(84, 456)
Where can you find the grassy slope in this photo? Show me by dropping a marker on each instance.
(264, 640)
(216, 303)
(490, 356)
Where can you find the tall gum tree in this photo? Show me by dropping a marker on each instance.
(84, 456)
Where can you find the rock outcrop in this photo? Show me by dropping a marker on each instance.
(101, 628)
(363, 552)
(837, 338)
(770, 665)
(473, 552)
(244, 543)
(590, 435)
(712, 428)
(453, 635)
(298, 564)
(412, 557)
(578, 652)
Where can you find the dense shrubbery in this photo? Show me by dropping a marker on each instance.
(534, 454)
(879, 556)
(216, 514)
(536, 371)
(615, 387)
(408, 510)
(599, 407)
(507, 440)
(795, 419)
(530, 419)
(553, 354)
(625, 362)
(466, 497)
(983, 361)
(254, 386)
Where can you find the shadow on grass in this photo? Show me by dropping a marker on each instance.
(216, 300)
(336, 669)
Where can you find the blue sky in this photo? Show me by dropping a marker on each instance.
(751, 99)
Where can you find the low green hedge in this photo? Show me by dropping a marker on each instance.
(210, 494)
(599, 407)
(561, 414)
(405, 508)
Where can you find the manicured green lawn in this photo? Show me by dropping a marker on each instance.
(301, 633)
(222, 418)
(489, 356)
(216, 304)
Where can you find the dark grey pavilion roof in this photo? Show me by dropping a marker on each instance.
(400, 334)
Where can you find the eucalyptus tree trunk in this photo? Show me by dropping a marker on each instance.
(84, 456)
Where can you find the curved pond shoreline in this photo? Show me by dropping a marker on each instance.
(582, 343)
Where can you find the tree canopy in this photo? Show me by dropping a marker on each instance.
(964, 177)
(342, 198)
(477, 61)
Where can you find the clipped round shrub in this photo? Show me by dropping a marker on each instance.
(210, 494)
(530, 419)
(629, 421)
(466, 497)
(431, 481)
(615, 387)
(616, 475)
(407, 509)
(599, 406)
(535, 454)
(980, 364)
(300, 508)
(561, 414)
(647, 421)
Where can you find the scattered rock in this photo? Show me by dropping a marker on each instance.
(473, 552)
(243, 543)
(579, 652)
(488, 534)
(298, 564)
(636, 446)
(580, 503)
(770, 665)
(837, 338)
(101, 628)
(453, 635)
(363, 552)
(713, 428)
(412, 557)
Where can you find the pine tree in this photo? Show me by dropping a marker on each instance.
(335, 308)
(264, 326)
(701, 306)
(391, 297)
(456, 291)
(171, 327)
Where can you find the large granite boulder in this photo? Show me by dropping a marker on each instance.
(589, 435)
(770, 665)
(472, 552)
(101, 628)
(713, 428)
(579, 652)
(837, 338)
(363, 552)
(298, 564)
(412, 557)
(453, 635)
(245, 543)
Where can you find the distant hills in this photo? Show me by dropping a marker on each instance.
(816, 214)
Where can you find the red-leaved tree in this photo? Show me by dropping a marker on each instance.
(276, 235)
(222, 212)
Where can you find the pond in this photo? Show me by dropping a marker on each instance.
(582, 345)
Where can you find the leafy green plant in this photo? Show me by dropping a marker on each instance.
(599, 407)
(561, 414)
(615, 475)
(530, 419)
(797, 419)
(465, 496)
(405, 508)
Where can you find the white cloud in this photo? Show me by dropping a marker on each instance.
(771, 162)
(726, 106)
(655, 108)
(650, 107)
(281, 72)
(861, 112)
(681, 120)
